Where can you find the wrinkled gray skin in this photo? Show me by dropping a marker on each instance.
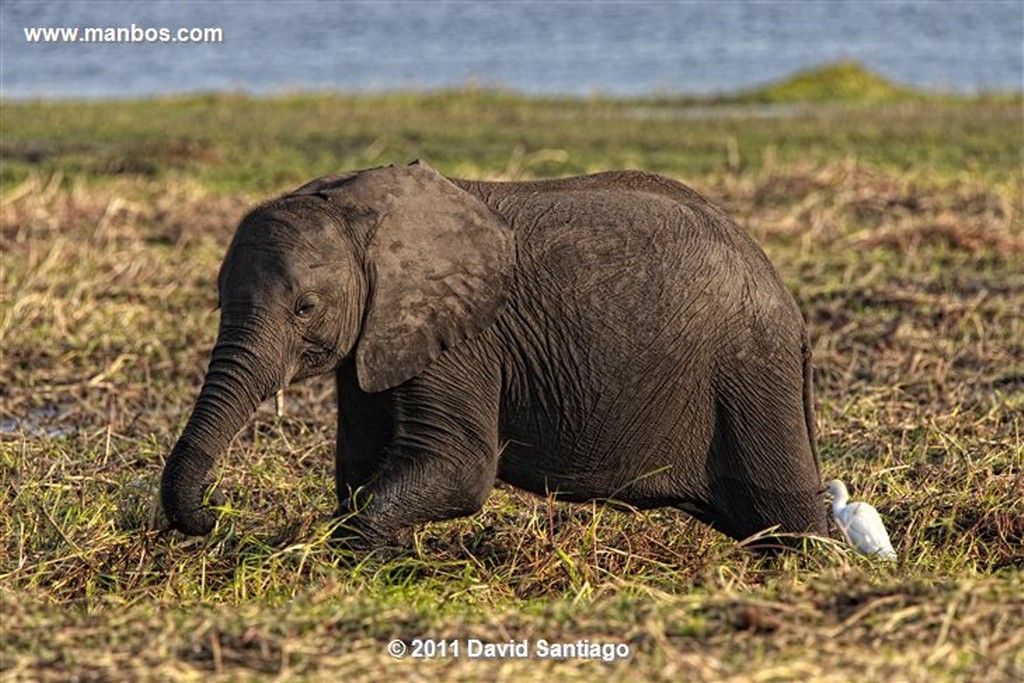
(610, 336)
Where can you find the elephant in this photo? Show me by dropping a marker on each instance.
(612, 337)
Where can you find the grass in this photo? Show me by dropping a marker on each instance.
(897, 225)
(840, 82)
(232, 144)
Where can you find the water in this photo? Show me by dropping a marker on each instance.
(621, 48)
(41, 422)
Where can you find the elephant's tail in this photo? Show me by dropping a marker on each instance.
(809, 401)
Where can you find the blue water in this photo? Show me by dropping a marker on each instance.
(622, 48)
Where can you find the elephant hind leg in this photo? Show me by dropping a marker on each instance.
(752, 510)
(762, 472)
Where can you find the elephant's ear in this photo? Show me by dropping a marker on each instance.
(439, 264)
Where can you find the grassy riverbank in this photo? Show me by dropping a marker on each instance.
(895, 218)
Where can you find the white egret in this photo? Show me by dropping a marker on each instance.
(860, 523)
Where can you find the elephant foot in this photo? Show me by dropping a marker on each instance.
(353, 533)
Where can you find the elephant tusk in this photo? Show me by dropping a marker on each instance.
(279, 402)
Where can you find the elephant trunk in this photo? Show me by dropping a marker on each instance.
(235, 384)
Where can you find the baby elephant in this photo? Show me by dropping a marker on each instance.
(610, 336)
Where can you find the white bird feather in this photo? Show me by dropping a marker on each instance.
(860, 523)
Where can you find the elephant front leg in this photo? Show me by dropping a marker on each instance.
(413, 489)
(440, 464)
(365, 428)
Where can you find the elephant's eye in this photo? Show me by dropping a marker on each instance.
(305, 307)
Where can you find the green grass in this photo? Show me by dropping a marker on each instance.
(232, 144)
(840, 82)
(896, 222)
